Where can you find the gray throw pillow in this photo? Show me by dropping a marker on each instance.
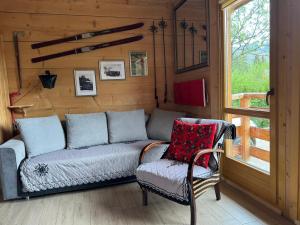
(85, 130)
(147, 117)
(161, 123)
(41, 135)
(126, 126)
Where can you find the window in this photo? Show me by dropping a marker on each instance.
(247, 80)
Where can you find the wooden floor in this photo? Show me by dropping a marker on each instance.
(122, 205)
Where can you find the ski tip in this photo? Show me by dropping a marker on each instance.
(34, 46)
(35, 60)
(138, 37)
(135, 38)
(38, 45)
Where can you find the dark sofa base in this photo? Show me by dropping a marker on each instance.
(78, 187)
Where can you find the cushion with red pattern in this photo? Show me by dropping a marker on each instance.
(187, 138)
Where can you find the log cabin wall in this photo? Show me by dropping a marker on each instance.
(5, 117)
(46, 20)
(289, 107)
(210, 73)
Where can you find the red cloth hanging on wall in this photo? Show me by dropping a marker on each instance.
(190, 93)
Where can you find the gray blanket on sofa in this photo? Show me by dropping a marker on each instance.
(67, 168)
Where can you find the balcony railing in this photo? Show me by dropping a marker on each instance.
(248, 133)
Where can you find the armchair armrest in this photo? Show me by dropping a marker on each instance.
(12, 153)
(195, 157)
(149, 147)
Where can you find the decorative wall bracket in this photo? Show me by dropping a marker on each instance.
(19, 109)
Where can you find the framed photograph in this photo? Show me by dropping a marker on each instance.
(85, 82)
(138, 63)
(112, 70)
(203, 57)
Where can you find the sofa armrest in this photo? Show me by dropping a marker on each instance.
(17, 146)
(12, 153)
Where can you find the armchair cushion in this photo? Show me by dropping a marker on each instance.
(187, 138)
(169, 177)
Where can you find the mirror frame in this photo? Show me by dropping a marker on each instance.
(196, 66)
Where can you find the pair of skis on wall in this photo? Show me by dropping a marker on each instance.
(87, 36)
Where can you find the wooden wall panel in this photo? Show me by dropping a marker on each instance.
(288, 107)
(290, 35)
(211, 73)
(104, 8)
(46, 20)
(5, 116)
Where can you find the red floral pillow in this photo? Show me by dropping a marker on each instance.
(187, 138)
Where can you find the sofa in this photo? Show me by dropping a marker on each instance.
(84, 151)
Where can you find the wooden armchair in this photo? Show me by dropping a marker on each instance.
(184, 182)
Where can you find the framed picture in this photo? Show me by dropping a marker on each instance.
(85, 82)
(203, 57)
(138, 63)
(112, 70)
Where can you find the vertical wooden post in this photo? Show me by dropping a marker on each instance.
(5, 116)
(229, 143)
(227, 71)
(245, 130)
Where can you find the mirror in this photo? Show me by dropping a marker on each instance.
(191, 26)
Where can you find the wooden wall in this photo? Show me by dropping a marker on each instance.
(289, 107)
(211, 73)
(5, 117)
(46, 20)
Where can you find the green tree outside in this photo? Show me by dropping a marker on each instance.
(250, 39)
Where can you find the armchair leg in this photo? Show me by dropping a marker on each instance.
(145, 197)
(193, 212)
(217, 191)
